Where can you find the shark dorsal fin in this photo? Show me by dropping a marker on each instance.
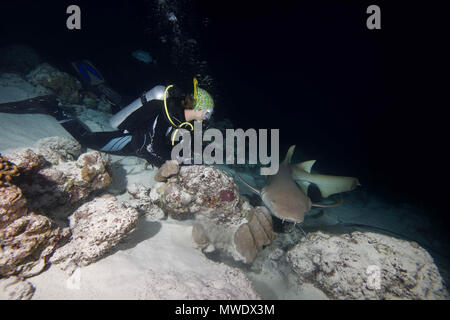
(289, 154)
(306, 165)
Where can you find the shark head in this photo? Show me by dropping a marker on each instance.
(283, 197)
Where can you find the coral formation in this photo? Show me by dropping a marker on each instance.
(56, 149)
(28, 239)
(28, 161)
(196, 190)
(62, 84)
(144, 203)
(340, 265)
(15, 288)
(97, 226)
(66, 182)
(168, 169)
(223, 221)
(8, 171)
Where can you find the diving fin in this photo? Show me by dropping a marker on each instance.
(87, 73)
(94, 80)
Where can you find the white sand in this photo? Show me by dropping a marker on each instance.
(23, 130)
(153, 248)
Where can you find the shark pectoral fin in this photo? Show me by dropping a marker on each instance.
(329, 185)
(305, 166)
(337, 203)
(303, 185)
(251, 187)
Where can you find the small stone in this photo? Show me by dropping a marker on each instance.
(168, 169)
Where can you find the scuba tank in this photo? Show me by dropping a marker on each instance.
(156, 93)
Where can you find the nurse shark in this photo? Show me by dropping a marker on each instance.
(285, 193)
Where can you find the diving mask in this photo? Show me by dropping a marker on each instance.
(208, 114)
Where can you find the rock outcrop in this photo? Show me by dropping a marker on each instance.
(366, 266)
(97, 226)
(27, 239)
(65, 182)
(168, 169)
(144, 201)
(65, 86)
(14, 288)
(223, 221)
(201, 190)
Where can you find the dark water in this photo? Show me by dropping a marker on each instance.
(362, 102)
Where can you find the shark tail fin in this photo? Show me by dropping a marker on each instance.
(243, 181)
(337, 203)
(289, 154)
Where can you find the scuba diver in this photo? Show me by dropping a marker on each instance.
(145, 128)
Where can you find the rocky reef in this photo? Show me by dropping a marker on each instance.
(30, 184)
(28, 239)
(97, 226)
(62, 183)
(356, 266)
(366, 266)
(61, 83)
(222, 221)
(57, 180)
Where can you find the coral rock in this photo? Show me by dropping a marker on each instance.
(196, 191)
(56, 149)
(62, 84)
(366, 266)
(168, 169)
(62, 183)
(26, 160)
(28, 239)
(8, 171)
(12, 205)
(97, 226)
(14, 288)
(143, 202)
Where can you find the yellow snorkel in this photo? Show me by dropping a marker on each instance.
(195, 88)
(170, 119)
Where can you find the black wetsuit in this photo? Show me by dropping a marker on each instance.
(145, 133)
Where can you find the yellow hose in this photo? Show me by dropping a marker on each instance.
(170, 119)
